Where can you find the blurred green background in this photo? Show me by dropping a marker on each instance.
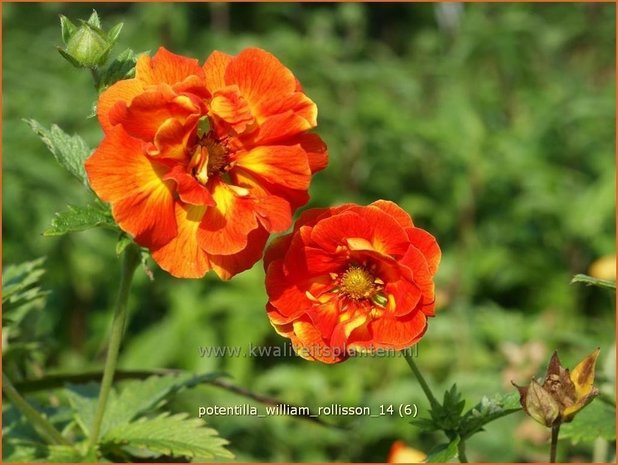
(491, 124)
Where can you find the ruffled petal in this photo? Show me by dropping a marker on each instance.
(122, 91)
(142, 201)
(182, 257)
(166, 67)
(227, 266)
(398, 333)
(214, 69)
(225, 227)
(262, 80)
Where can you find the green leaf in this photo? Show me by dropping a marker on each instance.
(597, 420)
(169, 435)
(444, 452)
(114, 32)
(20, 290)
(94, 19)
(123, 242)
(67, 27)
(122, 67)
(590, 281)
(18, 451)
(70, 151)
(488, 410)
(136, 398)
(80, 218)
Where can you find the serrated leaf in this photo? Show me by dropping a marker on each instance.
(444, 452)
(20, 291)
(18, 451)
(80, 218)
(487, 410)
(425, 424)
(16, 278)
(597, 420)
(136, 398)
(169, 435)
(70, 151)
(590, 281)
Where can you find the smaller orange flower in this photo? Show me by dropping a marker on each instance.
(351, 279)
(401, 453)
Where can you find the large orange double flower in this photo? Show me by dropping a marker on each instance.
(351, 279)
(201, 163)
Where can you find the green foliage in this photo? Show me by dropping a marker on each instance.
(76, 218)
(122, 67)
(597, 420)
(175, 436)
(20, 290)
(488, 410)
(590, 281)
(70, 151)
(22, 301)
(25, 451)
(136, 398)
(444, 452)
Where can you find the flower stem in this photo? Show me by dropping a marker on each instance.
(44, 427)
(461, 451)
(426, 389)
(130, 261)
(555, 430)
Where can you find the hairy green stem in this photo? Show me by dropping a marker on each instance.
(43, 427)
(426, 389)
(130, 261)
(461, 451)
(555, 430)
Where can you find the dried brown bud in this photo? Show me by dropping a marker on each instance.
(562, 394)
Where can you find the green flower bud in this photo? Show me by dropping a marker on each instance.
(87, 46)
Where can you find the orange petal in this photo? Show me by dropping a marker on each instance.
(182, 257)
(188, 189)
(227, 266)
(334, 231)
(279, 128)
(289, 300)
(166, 67)
(297, 103)
(228, 105)
(316, 150)
(311, 345)
(142, 202)
(277, 249)
(225, 227)
(428, 245)
(395, 211)
(214, 69)
(122, 91)
(398, 333)
(149, 110)
(279, 165)
(261, 79)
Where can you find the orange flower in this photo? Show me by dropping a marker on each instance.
(351, 279)
(201, 163)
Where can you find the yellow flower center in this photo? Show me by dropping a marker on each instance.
(357, 283)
